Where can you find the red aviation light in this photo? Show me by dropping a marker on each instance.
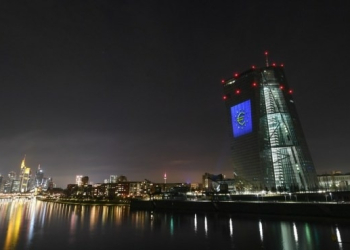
(266, 53)
(235, 75)
(238, 91)
(290, 91)
(253, 66)
(274, 64)
(222, 81)
(281, 87)
(224, 97)
(282, 65)
(254, 84)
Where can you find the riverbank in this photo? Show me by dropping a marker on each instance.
(86, 202)
(332, 210)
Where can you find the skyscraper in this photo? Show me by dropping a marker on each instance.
(39, 177)
(269, 150)
(24, 176)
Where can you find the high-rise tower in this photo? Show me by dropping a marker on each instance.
(269, 150)
(39, 177)
(24, 176)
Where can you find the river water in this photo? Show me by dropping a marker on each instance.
(32, 224)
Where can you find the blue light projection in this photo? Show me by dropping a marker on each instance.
(241, 119)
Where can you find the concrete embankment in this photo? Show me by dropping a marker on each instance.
(334, 210)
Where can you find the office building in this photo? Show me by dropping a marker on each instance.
(25, 176)
(39, 177)
(113, 178)
(336, 181)
(269, 150)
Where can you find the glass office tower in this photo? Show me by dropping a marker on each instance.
(269, 150)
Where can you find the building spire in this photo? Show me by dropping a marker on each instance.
(23, 164)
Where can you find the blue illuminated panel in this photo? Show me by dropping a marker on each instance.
(241, 115)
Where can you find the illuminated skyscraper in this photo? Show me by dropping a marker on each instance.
(78, 180)
(39, 177)
(24, 176)
(269, 150)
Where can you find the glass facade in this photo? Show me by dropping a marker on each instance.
(269, 150)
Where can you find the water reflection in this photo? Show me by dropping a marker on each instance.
(36, 225)
(231, 228)
(339, 240)
(261, 231)
(195, 223)
(14, 225)
(287, 236)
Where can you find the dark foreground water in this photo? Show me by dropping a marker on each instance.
(39, 225)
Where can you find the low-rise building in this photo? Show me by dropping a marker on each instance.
(336, 181)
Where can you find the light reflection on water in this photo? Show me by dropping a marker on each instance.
(38, 225)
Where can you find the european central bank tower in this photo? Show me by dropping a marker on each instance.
(269, 150)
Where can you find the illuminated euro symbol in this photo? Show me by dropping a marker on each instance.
(240, 118)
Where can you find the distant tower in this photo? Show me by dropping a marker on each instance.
(39, 176)
(164, 178)
(113, 178)
(268, 147)
(24, 176)
(85, 180)
(12, 175)
(1, 184)
(78, 180)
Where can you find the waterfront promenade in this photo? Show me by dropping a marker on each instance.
(332, 205)
(309, 209)
(326, 204)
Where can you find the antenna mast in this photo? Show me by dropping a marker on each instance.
(267, 58)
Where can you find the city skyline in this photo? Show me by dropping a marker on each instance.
(134, 88)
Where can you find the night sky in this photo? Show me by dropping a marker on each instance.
(134, 87)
